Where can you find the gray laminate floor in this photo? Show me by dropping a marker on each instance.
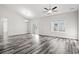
(34, 44)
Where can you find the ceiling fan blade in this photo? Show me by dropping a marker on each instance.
(55, 11)
(46, 9)
(54, 8)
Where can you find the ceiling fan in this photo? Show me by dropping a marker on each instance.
(50, 10)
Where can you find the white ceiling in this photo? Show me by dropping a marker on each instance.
(36, 10)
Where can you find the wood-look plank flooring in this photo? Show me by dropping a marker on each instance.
(26, 44)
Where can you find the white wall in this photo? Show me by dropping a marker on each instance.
(70, 20)
(78, 22)
(1, 28)
(16, 23)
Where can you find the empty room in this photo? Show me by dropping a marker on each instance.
(39, 29)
